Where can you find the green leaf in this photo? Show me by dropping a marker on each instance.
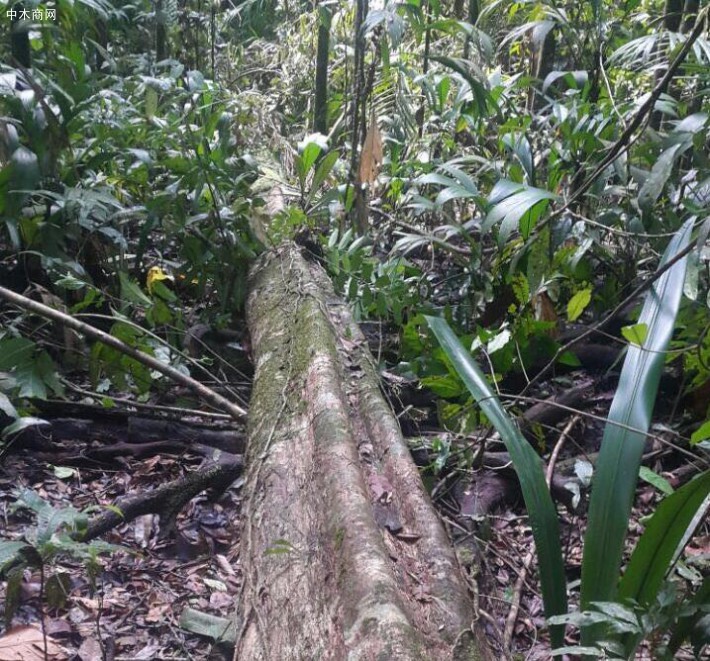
(655, 480)
(625, 435)
(700, 434)
(666, 534)
(510, 210)
(322, 172)
(9, 551)
(686, 623)
(481, 95)
(654, 184)
(569, 358)
(309, 150)
(6, 406)
(578, 304)
(131, 291)
(64, 472)
(15, 352)
(528, 466)
(635, 334)
(20, 424)
(499, 341)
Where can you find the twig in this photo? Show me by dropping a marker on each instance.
(209, 395)
(174, 411)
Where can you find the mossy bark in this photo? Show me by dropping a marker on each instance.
(342, 552)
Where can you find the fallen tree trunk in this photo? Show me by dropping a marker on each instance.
(343, 554)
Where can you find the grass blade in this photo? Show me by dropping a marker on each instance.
(528, 466)
(622, 446)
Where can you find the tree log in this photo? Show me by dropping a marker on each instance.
(343, 554)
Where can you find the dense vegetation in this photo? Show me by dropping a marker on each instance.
(518, 169)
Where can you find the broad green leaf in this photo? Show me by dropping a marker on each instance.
(528, 466)
(322, 172)
(6, 406)
(635, 334)
(569, 358)
(666, 534)
(9, 551)
(578, 303)
(625, 435)
(520, 146)
(700, 434)
(15, 352)
(655, 480)
(20, 424)
(511, 210)
(309, 150)
(131, 291)
(481, 95)
(656, 181)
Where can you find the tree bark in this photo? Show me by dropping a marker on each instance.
(343, 554)
(161, 37)
(320, 104)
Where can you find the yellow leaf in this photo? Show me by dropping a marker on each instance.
(156, 274)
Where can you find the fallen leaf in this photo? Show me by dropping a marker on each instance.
(27, 644)
(90, 650)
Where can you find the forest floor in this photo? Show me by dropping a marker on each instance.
(132, 609)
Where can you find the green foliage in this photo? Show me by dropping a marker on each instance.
(29, 371)
(389, 289)
(624, 436)
(542, 512)
(52, 538)
(615, 479)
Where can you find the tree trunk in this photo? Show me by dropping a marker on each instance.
(320, 104)
(343, 554)
(673, 13)
(20, 37)
(690, 13)
(358, 211)
(161, 39)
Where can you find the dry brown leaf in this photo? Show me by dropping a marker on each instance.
(371, 158)
(90, 650)
(545, 311)
(27, 644)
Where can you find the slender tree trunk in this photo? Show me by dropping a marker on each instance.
(161, 41)
(102, 41)
(690, 13)
(672, 18)
(425, 67)
(320, 104)
(673, 15)
(359, 208)
(474, 10)
(213, 38)
(20, 38)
